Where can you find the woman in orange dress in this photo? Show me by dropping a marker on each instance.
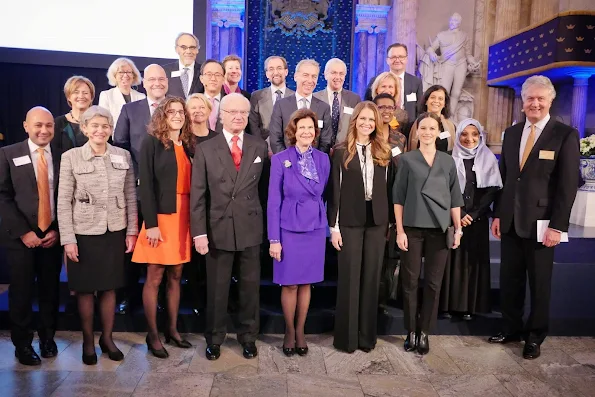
(164, 241)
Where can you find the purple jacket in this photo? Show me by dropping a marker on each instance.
(295, 203)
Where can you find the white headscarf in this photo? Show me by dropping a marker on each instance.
(485, 164)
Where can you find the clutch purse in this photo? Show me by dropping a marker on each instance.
(450, 237)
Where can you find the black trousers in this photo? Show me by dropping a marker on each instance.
(523, 257)
(195, 272)
(430, 244)
(219, 269)
(359, 266)
(27, 264)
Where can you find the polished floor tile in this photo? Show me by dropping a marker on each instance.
(227, 385)
(340, 364)
(437, 361)
(483, 360)
(468, 386)
(526, 385)
(396, 386)
(98, 384)
(300, 385)
(231, 359)
(30, 383)
(271, 359)
(174, 385)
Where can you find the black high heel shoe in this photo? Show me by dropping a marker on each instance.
(184, 344)
(288, 351)
(161, 353)
(301, 351)
(411, 342)
(115, 355)
(89, 359)
(423, 343)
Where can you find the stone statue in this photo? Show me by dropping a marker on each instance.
(454, 63)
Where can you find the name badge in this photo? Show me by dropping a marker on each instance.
(347, 110)
(412, 97)
(116, 158)
(176, 73)
(444, 135)
(546, 154)
(395, 151)
(320, 123)
(21, 161)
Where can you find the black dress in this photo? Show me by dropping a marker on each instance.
(466, 284)
(68, 135)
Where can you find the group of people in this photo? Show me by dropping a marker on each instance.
(198, 162)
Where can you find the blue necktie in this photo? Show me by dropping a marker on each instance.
(335, 116)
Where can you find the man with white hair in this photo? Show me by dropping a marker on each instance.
(229, 185)
(538, 164)
(340, 100)
(183, 74)
(306, 76)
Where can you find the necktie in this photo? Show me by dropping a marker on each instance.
(153, 107)
(400, 88)
(528, 146)
(335, 115)
(44, 216)
(278, 93)
(213, 115)
(236, 152)
(184, 79)
(304, 103)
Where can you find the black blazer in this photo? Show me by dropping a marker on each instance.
(175, 84)
(226, 204)
(348, 197)
(158, 175)
(19, 199)
(544, 189)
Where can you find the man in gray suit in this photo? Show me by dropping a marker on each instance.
(306, 76)
(211, 76)
(341, 101)
(262, 101)
(183, 74)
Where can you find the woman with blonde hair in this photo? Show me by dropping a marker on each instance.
(358, 216)
(199, 108)
(79, 92)
(122, 75)
(387, 83)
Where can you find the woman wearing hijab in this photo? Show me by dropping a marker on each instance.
(466, 287)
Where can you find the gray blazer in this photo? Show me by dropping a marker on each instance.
(348, 99)
(96, 194)
(261, 110)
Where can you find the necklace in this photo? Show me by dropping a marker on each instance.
(74, 118)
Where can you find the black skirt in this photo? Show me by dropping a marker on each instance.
(101, 263)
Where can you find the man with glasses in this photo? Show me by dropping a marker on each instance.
(262, 101)
(184, 73)
(211, 77)
(229, 185)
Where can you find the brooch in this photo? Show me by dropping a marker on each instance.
(287, 163)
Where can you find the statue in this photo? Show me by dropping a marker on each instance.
(454, 63)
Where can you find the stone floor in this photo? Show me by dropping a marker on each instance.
(456, 366)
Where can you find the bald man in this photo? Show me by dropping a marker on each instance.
(29, 173)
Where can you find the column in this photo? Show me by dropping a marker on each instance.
(370, 32)
(543, 9)
(579, 101)
(517, 106)
(227, 27)
(404, 14)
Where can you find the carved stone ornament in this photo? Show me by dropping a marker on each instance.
(371, 18)
(228, 13)
(299, 17)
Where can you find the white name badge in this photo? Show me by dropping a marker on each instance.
(347, 110)
(412, 97)
(320, 123)
(395, 151)
(21, 161)
(176, 73)
(116, 158)
(444, 135)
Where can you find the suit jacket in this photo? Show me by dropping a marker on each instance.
(544, 189)
(113, 100)
(348, 99)
(282, 112)
(261, 111)
(19, 199)
(131, 129)
(226, 204)
(158, 180)
(175, 84)
(295, 203)
(347, 195)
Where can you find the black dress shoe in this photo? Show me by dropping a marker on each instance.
(410, 342)
(531, 351)
(181, 343)
(123, 307)
(301, 351)
(445, 315)
(114, 355)
(288, 351)
(213, 352)
(504, 338)
(27, 356)
(467, 317)
(249, 350)
(423, 344)
(159, 353)
(48, 348)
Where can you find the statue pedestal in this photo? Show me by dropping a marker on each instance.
(583, 210)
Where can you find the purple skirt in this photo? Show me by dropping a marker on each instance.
(302, 258)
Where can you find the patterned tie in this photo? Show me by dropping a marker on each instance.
(44, 215)
(528, 146)
(278, 93)
(236, 152)
(304, 103)
(335, 115)
(184, 79)
(213, 115)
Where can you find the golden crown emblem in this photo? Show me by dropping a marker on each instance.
(512, 56)
(532, 38)
(506, 58)
(549, 54)
(510, 47)
(530, 59)
(517, 44)
(568, 49)
(526, 51)
(590, 27)
(541, 36)
(535, 48)
(545, 44)
(516, 63)
(570, 27)
(587, 50)
(560, 39)
(520, 52)
(580, 38)
(522, 62)
(507, 66)
(539, 56)
(524, 41)
(551, 31)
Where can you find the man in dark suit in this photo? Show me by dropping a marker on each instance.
(411, 88)
(262, 101)
(539, 164)
(130, 131)
(228, 188)
(211, 76)
(29, 173)
(340, 100)
(183, 74)
(306, 76)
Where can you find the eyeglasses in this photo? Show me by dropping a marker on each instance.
(383, 108)
(173, 112)
(243, 113)
(277, 69)
(126, 73)
(157, 79)
(191, 48)
(215, 75)
(400, 58)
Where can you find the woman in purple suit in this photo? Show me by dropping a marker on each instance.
(297, 223)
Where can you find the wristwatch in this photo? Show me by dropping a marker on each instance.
(459, 232)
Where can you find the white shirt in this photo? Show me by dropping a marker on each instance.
(190, 74)
(229, 135)
(402, 88)
(217, 99)
(274, 88)
(298, 99)
(539, 126)
(367, 166)
(151, 102)
(48, 158)
(331, 98)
